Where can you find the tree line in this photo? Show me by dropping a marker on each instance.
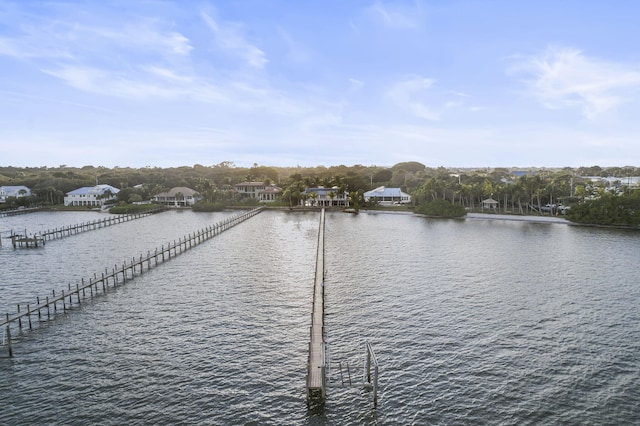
(522, 191)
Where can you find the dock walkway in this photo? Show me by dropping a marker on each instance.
(316, 377)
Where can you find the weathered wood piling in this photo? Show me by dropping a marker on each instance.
(19, 241)
(118, 275)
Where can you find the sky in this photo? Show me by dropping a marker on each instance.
(453, 83)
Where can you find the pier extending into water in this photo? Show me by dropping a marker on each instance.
(16, 212)
(316, 366)
(320, 370)
(19, 240)
(45, 308)
(113, 219)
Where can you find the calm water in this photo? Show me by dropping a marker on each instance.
(473, 321)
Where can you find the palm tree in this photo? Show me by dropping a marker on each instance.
(179, 198)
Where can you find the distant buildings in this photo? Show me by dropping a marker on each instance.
(91, 195)
(387, 196)
(13, 191)
(179, 196)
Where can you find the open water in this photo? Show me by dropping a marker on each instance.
(473, 322)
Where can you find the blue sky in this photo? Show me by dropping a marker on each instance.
(475, 83)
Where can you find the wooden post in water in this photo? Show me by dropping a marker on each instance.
(9, 338)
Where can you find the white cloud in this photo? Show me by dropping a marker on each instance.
(168, 74)
(142, 35)
(29, 47)
(395, 15)
(104, 82)
(566, 78)
(229, 37)
(151, 82)
(406, 95)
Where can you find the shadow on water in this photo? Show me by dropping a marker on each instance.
(316, 413)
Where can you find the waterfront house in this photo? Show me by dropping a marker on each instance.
(91, 195)
(258, 190)
(387, 196)
(16, 191)
(269, 194)
(325, 197)
(177, 197)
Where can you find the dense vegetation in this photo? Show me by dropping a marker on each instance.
(609, 210)
(441, 208)
(525, 192)
(134, 208)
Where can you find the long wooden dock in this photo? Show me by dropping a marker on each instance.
(39, 239)
(66, 231)
(16, 212)
(46, 308)
(319, 367)
(316, 366)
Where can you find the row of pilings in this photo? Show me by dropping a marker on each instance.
(47, 307)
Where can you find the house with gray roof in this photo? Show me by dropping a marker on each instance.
(180, 196)
(387, 196)
(13, 191)
(94, 196)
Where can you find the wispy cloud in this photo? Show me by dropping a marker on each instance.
(407, 94)
(297, 52)
(564, 77)
(396, 15)
(230, 38)
(144, 34)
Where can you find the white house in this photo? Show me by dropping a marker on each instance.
(91, 195)
(178, 196)
(387, 196)
(258, 190)
(13, 191)
(326, 197)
